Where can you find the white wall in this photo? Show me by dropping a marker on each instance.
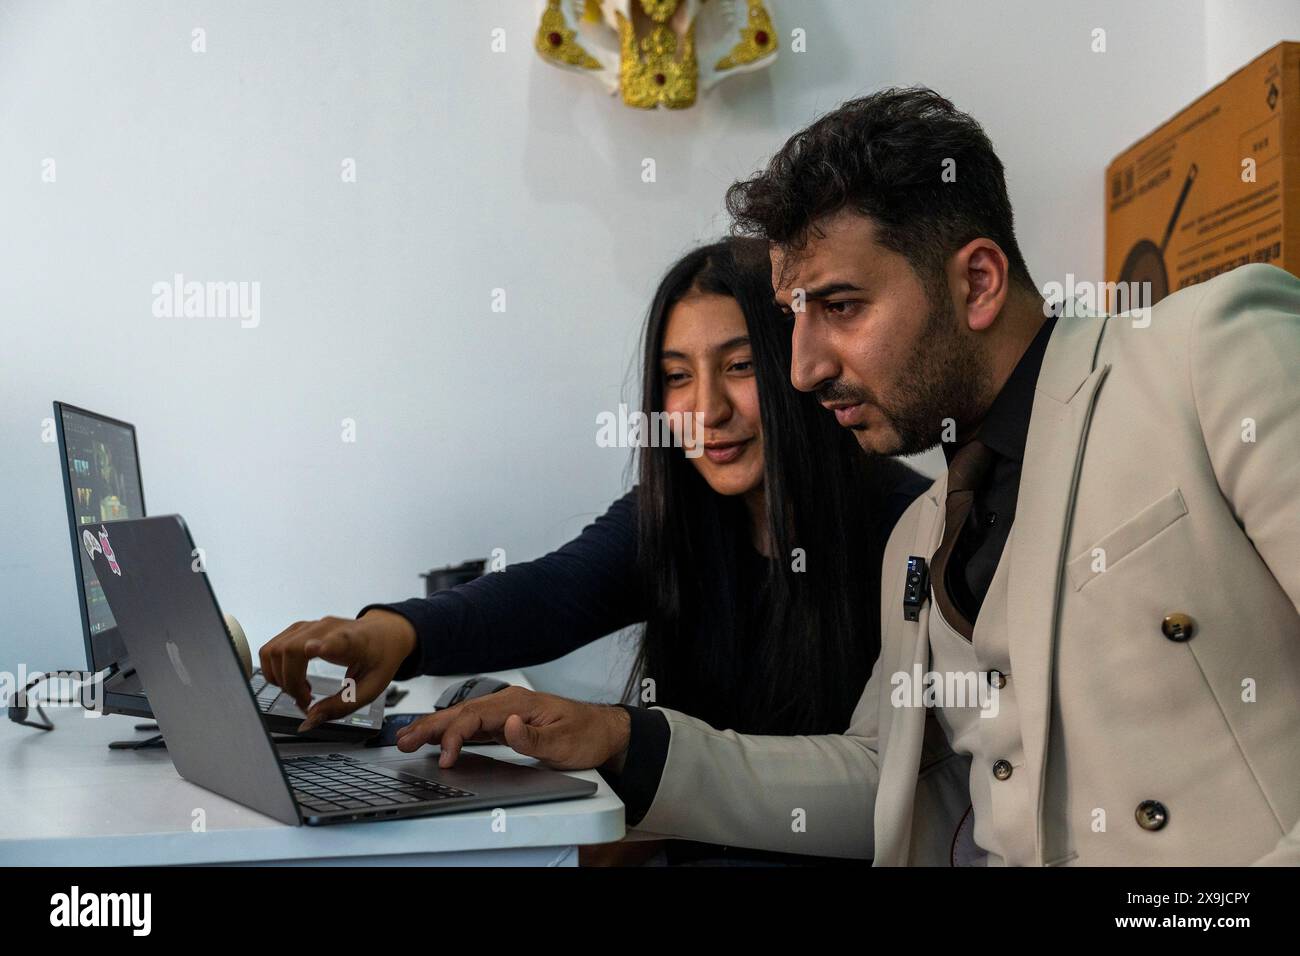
(476, 170)
(1237, 31)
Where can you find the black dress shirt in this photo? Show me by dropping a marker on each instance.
(1004, 428)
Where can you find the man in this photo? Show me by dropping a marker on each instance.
(1110, 566)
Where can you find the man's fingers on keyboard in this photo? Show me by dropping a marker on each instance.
(425, 730)
(462, 727)
(449, 728)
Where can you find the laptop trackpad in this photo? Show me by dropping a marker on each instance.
(472, 772)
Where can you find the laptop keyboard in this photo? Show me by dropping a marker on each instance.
(267, 695)
(337, 782)
(265, 692)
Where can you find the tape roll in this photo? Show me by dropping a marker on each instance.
(240, 640)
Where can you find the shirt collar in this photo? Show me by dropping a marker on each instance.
(1005, 427)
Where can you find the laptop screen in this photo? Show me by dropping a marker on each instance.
(102, 472)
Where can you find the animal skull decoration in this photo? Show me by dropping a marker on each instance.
(646, 50)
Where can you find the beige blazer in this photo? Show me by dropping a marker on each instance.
(1166, 451)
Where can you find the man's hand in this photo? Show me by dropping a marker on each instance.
(372, 647)
(562, 733)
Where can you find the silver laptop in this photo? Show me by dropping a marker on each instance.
(169, 619)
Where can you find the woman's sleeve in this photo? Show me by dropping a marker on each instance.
(535, 611)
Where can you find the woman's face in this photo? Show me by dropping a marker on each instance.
(708, 368)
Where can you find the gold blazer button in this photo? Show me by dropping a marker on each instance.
(1151, 815)
(1178, 626)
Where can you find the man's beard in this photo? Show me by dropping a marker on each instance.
(945, 379)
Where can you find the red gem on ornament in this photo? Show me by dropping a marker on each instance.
(660, 79)
(761, 38)
(554, 39)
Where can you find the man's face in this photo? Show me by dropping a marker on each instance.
(893, 364)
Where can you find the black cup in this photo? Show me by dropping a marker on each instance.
(440, 579)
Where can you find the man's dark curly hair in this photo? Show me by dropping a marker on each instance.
(884, 156)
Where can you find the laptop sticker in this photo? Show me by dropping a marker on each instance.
(91, 544)
(108, 551)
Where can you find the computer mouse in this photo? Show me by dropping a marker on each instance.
(468, 689)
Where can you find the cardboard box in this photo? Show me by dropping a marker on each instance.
(1215, 187)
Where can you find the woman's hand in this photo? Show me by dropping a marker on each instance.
(562, 733)
(372, 648)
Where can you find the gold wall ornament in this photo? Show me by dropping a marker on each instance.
(556, 40)
(659, 10)
(650, 72)
(758, 39)
(657, 52)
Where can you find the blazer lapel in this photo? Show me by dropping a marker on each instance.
(1063, 403)
(902, 729)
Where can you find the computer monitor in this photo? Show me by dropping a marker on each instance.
(101, 479)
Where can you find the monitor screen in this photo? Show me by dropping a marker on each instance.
(102, 471)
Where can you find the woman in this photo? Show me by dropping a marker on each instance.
(752, 562)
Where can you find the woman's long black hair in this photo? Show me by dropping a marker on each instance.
(791, 655)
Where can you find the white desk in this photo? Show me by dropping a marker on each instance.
(67, 800)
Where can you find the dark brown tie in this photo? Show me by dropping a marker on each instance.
(967, 469)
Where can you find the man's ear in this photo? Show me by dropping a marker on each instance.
(982, 280)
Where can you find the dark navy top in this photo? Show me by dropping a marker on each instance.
(536, 611)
